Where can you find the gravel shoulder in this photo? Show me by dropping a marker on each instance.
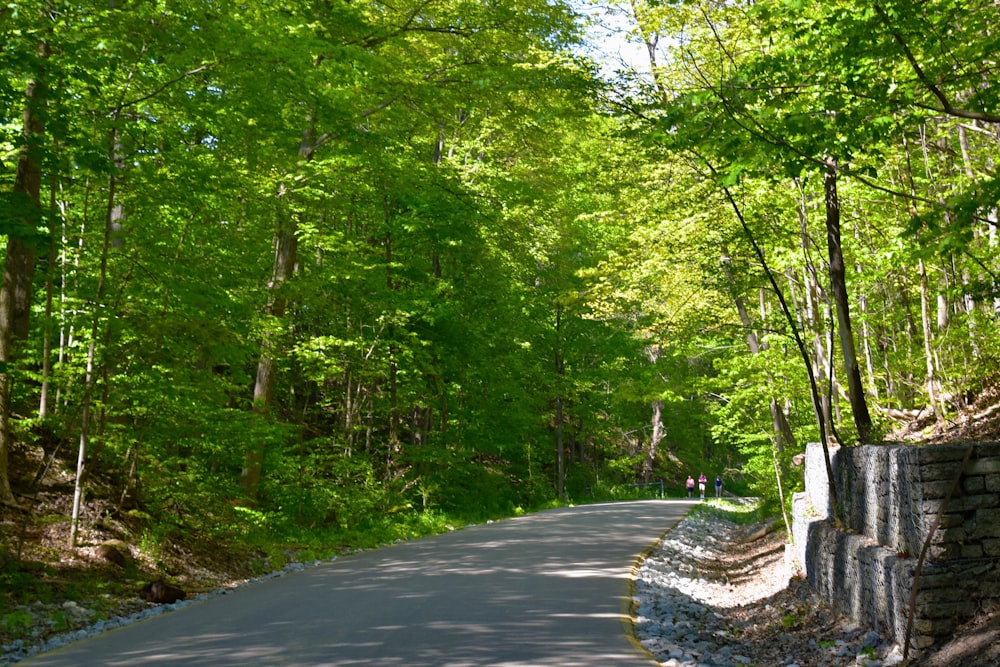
(714, 592)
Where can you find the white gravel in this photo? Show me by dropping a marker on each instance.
(697, 607)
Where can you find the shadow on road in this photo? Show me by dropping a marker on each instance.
(546, 589)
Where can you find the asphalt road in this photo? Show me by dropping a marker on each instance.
(546, 589)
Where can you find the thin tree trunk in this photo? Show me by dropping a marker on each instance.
(781, 490)
(560, 452)
(657, 434)
(393, 370)
(814, 321)
(43, 400)
(968, 300)
(925, 320)
(113, 220)
(866, 334)
(838, 286)
(285, 247)
(654, 440)
(81, 455)
(560, 368)
(285, 258)
(994, 223)
(69, 270)
(866, 345)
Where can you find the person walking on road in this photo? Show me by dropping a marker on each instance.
(690, 486)
(718, 486)
(702, 481)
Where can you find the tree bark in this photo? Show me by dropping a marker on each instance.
(816, 314)
(560, 368)
(285, 250)
(285, 258)
(838, 286)
(21, 256)
(925, 320)
(654, 441)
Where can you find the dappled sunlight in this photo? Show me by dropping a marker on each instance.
(584, 573)
(546, 589)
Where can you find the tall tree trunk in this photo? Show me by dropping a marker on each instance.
(925, 319)
(653, 353)
(866, 333)
(285, 250)
(19, 265)
(866, 346)
(799, 342)
(560, 368)
(81, 453)
(286, 244)
(838, 286)
(113, 221)
(654, 440)
(994, 224)
(560, 452)
(968, 300)
(51, 266)
(816, 315)
(393, 369)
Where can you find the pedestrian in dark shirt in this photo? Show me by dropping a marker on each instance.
(718, 486)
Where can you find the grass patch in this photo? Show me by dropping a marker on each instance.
(743, 512)
(17, 623)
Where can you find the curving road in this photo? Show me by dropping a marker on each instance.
(546, 589)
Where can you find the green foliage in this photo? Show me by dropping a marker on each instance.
(741, 512)
(17, 622)
(605, 492)
(491, 259)
(59, 620)
(314, 484)
(23, 582)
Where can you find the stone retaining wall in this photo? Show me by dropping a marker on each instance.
(891, 496)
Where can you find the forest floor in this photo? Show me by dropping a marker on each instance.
(66, 590)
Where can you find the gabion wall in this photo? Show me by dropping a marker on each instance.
(890, 497)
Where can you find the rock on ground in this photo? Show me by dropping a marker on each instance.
(710, 595)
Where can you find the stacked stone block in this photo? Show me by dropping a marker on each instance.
(890, 497)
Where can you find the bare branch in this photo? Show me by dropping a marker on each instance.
(946, 106)
(159, 89)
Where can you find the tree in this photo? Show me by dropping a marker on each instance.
(24, 226)
(838, 285)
